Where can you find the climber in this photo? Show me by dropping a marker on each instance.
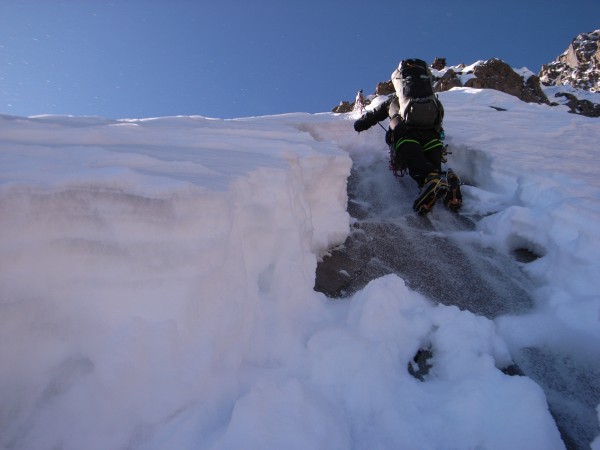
(415, 135)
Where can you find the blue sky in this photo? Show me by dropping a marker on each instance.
(147, 58)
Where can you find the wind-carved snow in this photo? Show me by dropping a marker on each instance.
(156, 285)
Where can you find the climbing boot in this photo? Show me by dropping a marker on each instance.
(453, 196)
(433, 188)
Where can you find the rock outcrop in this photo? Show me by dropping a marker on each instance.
(343, 107)
(494, 74)
(580, 106)
(439, 64)
(578, 66)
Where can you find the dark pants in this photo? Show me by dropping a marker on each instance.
(420, 151)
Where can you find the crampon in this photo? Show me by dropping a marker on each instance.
(445, 186)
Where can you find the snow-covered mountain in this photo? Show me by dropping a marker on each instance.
(573, 79)
(578, 66)
(156, 285)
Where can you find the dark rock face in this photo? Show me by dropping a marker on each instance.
(583, 107)
(343, 107)
(578, 66)
(448, 81)
(532, 91)
(498, 75)
(439, 64)
(384, 88)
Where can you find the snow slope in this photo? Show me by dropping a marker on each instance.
(156, 284)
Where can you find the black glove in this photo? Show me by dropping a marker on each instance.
(359, 125)
(389, 136)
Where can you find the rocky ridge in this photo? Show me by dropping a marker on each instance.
(578, 66)
(573, 79)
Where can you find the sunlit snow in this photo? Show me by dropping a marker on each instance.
(156, 284)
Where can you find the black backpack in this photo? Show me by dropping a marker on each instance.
(419, 106)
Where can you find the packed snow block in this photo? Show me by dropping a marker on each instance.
(270, 415)
(156, 283)
(145, 261)
(465, 396)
